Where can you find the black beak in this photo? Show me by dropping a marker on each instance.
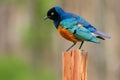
(46, 17)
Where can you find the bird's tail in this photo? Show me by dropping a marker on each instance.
(102, 34)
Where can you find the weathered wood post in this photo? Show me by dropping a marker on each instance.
(74, 65)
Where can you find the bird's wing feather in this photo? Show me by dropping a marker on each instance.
(80, 32)
(87, 25)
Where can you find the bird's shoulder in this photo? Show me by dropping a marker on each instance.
(68, 22)
(72, 25)
(72, 16)
(70, 19)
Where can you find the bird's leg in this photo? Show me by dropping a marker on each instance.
(81, 44)
(71, 47)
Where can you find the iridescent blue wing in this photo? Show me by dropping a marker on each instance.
(87, 25)
(92, 29)
(80, 32)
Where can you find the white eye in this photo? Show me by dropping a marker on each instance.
(52, 13)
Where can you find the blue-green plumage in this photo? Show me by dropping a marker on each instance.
(75, 25)
(67, 15)
(80, 33)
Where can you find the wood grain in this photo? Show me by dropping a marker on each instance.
(74, 65)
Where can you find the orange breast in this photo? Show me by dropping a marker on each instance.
(64, 33)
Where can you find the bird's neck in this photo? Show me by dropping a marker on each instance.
(60, 18)
(56, 23)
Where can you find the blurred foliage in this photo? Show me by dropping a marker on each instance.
(12, 68)
(38, 33)
(35, 37)
(15, 2)
(46, 73)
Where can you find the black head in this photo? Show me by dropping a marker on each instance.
(52, 14)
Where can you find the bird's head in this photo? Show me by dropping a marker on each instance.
(54, 13)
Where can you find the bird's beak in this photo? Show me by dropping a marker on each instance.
(46, 17)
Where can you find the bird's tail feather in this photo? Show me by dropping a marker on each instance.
(102, 34)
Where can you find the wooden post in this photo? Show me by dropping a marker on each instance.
(74, 65)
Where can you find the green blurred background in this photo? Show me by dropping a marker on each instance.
(31, 48)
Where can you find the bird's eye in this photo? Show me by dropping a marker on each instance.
(52, 13)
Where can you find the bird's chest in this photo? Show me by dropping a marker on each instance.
(66, 34)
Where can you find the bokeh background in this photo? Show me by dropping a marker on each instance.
(31, 48)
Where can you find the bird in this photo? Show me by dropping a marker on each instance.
(73, 27)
